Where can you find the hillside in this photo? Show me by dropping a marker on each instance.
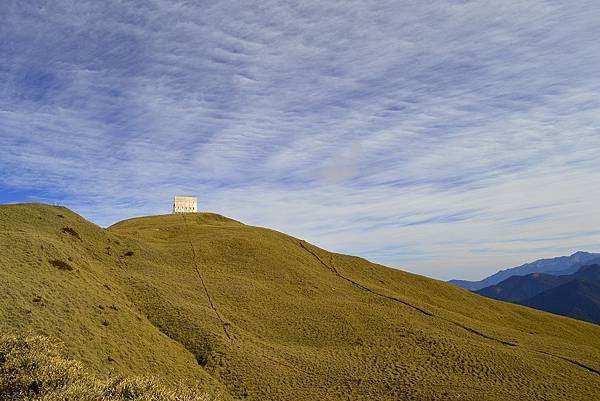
(62, 277)
(251, 313)
(555, 266)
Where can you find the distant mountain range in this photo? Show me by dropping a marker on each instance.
(556, 266)
(575, 295)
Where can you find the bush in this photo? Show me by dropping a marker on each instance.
(70, 231)
(35, 369)
(61, 264)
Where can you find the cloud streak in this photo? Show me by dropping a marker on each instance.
(449, 138)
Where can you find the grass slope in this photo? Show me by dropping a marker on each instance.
(271, 317)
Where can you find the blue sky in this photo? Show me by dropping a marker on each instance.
(448, 138)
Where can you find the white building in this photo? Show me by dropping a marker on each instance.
(185, 204)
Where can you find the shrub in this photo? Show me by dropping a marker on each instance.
(70, 231)
(61, 264)
(35, 369)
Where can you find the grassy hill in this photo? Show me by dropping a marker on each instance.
(251, 313)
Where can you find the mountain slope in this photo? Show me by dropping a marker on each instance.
(557, 266)
(271, 317)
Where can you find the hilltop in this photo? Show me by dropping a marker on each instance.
(250, 313)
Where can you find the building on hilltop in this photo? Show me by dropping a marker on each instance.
(185, 204)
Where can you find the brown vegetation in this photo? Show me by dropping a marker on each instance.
(36, 369)
(61, 264)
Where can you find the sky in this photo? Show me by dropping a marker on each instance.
(446, 138)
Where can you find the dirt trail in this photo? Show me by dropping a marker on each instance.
(197, 269)
(332, 268)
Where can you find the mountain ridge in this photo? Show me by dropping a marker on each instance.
(574, 295)
(556, 266)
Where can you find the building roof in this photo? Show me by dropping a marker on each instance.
(186, 198)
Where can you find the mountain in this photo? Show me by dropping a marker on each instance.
(248, 313)
(517, 288)
(555, 266)
(579, 299)
(575, 295)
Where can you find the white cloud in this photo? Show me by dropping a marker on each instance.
(450, 138)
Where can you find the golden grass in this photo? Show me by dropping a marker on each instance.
(36, 369)
(255, 314)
